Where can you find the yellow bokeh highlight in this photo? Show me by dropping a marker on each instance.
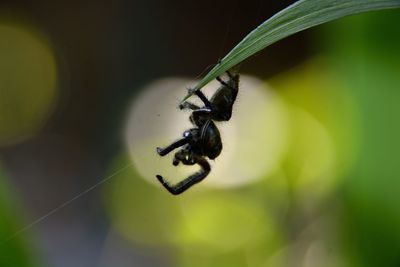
(324, 128)
(28, 79)
(319, 90)
(225, 222)
(311, 158)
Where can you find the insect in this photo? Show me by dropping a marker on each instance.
(204, 140)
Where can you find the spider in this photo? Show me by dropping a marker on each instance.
(204, 139)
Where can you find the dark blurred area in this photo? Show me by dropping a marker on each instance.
(69, 74)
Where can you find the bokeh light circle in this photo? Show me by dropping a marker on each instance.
(254, 140)
(225, 222)
(312, 155)
(28, 82)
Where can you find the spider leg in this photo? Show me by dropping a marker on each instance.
(188, 105)
(224, 83)
(203, 98)
(176, 144)
(188, 182)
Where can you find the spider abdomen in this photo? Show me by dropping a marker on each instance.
(211, 143)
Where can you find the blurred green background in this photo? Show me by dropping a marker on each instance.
(72, 77)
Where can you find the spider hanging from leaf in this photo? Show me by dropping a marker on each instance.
(204, 140)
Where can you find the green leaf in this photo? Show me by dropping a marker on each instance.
(299, 16)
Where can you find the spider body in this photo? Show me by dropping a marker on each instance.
(204, 140)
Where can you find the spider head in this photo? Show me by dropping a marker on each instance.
(184, 155)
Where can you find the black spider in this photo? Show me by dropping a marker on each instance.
(204, 140)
